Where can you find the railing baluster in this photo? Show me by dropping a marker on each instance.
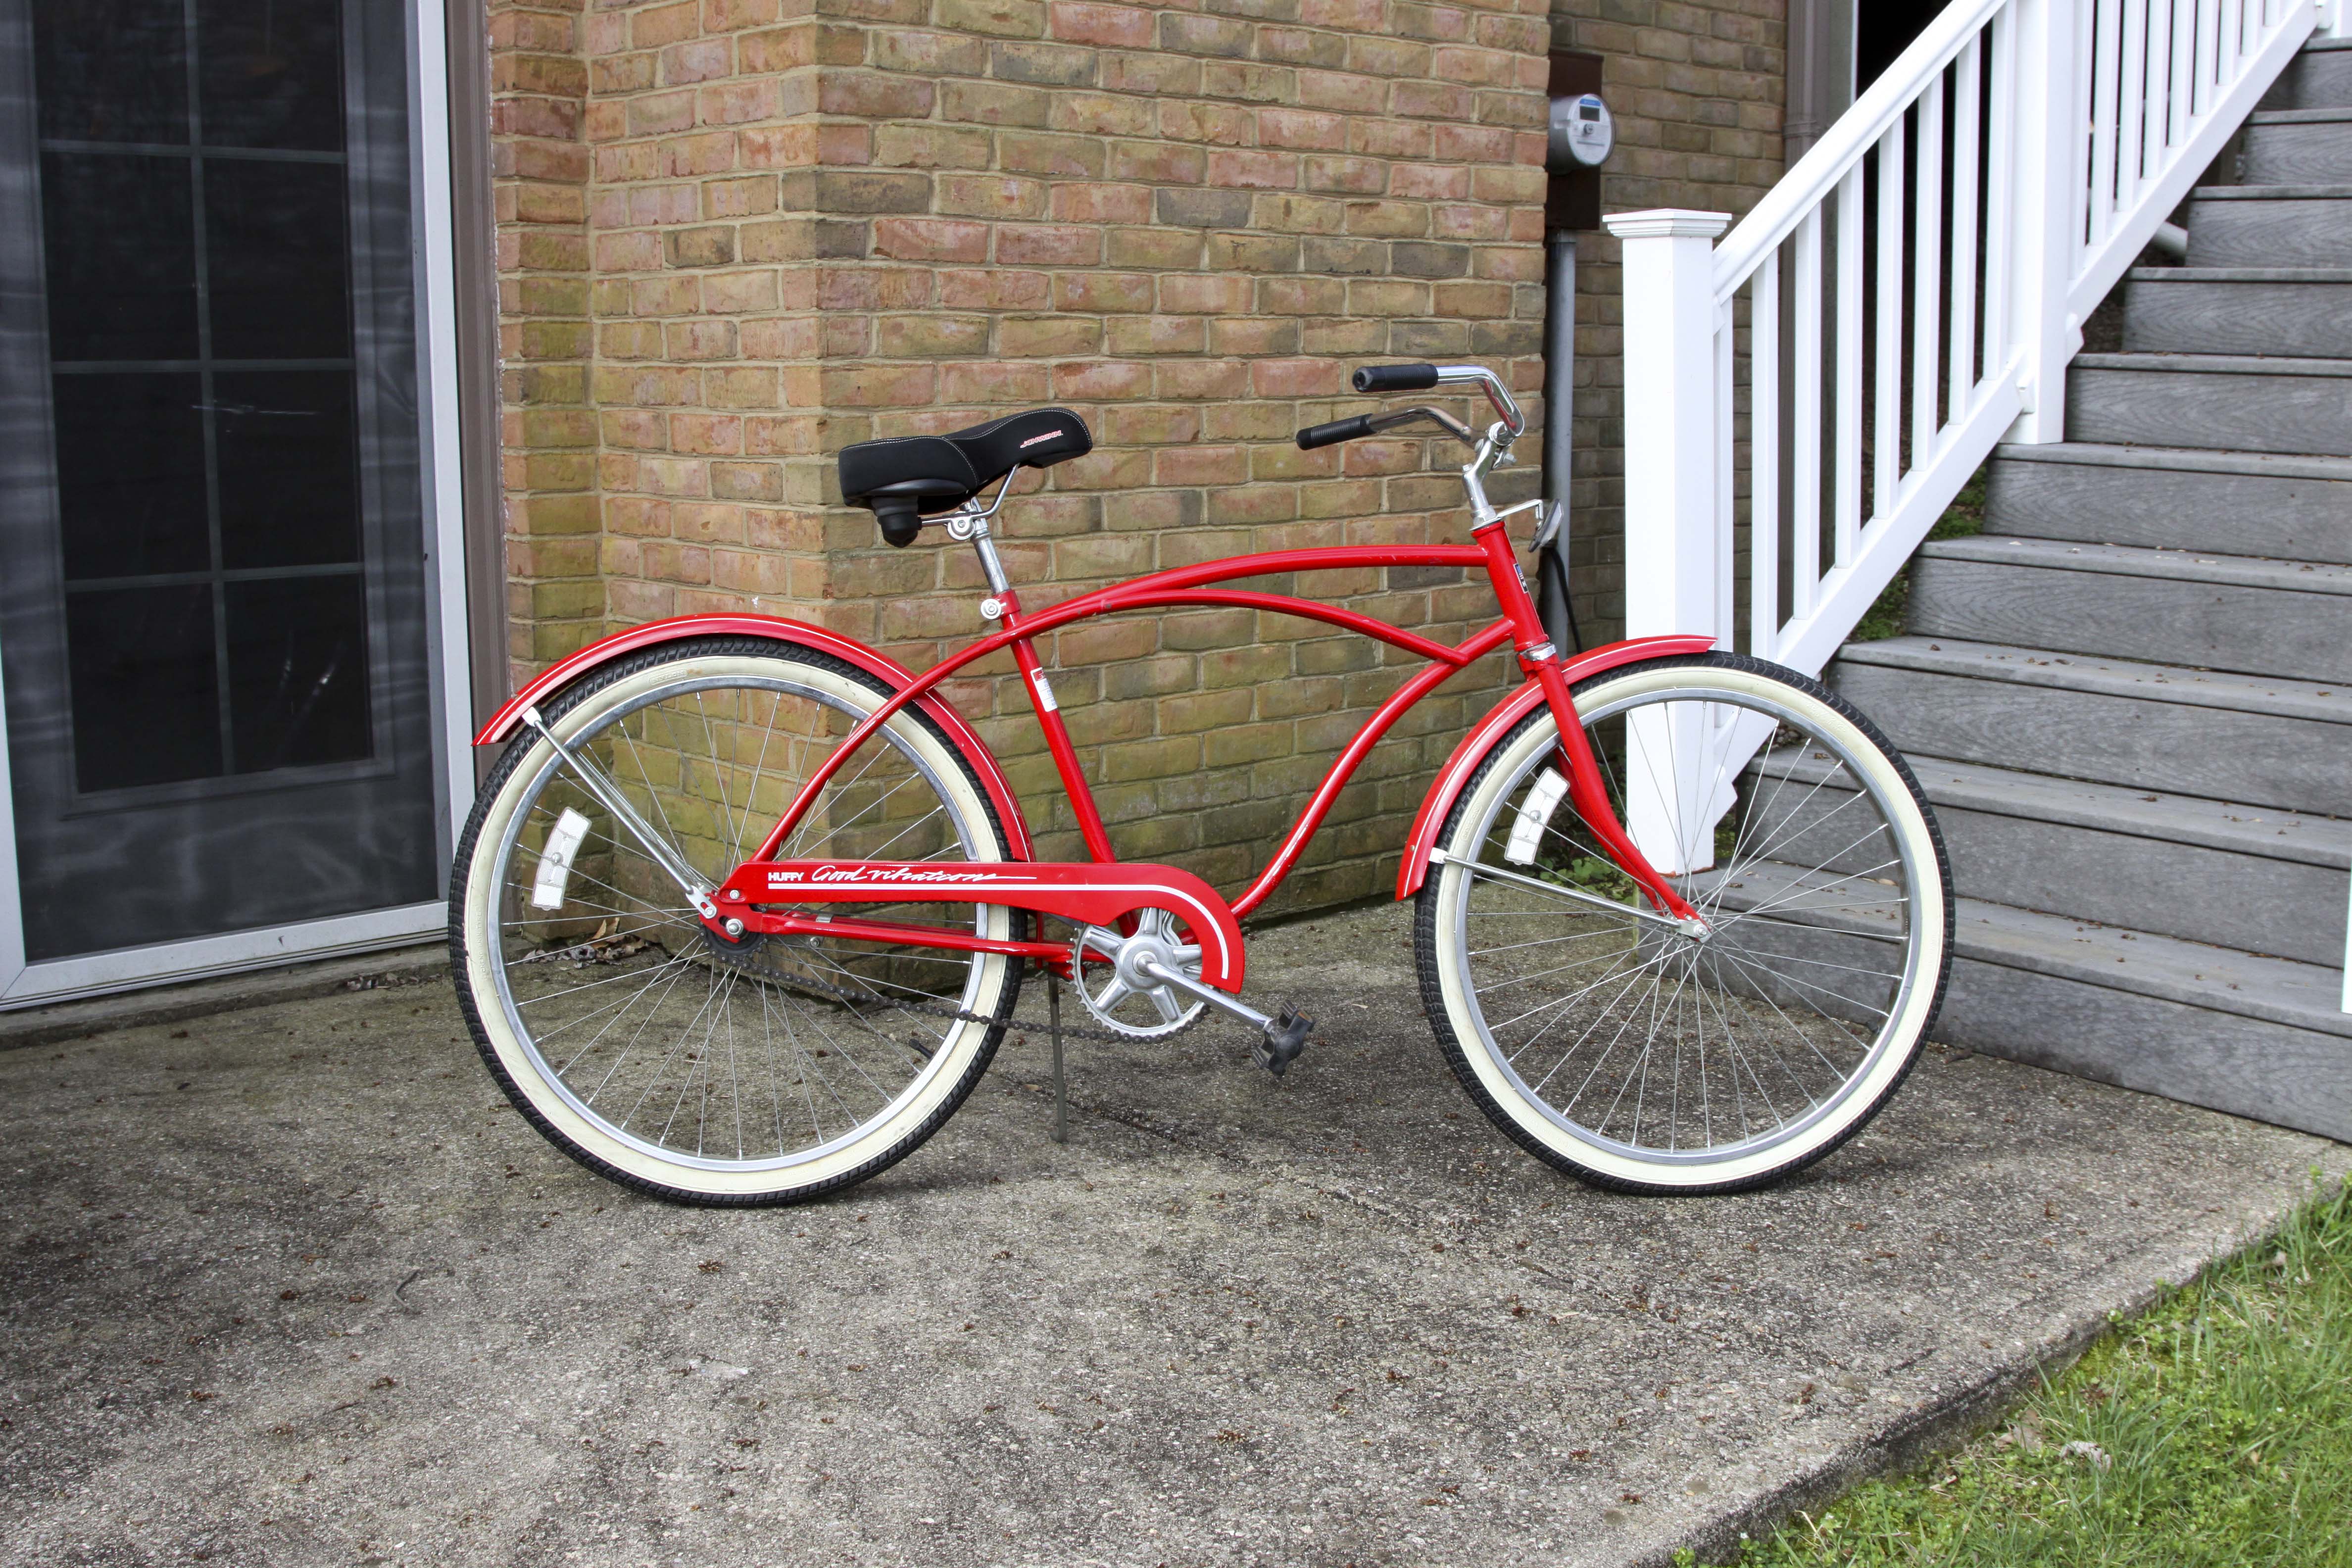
(2209, 54)
(1805, 428)
(1928, 276)
(1846, 448)
(2106, 76)
(1886, 455)
(2184, 74)
(2001, 165)
(1966, 131)
(1726, 471)
(1764, 462)
(2080, 133)
(2156, 132)
(2131, 108)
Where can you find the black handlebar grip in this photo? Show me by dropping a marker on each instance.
(1396, 377)
(1316, 436)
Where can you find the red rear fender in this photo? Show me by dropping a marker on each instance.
(775, 628)
(1456, 776)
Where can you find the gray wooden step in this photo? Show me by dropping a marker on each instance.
(2270, 226)
(2225, 401)
(2212, 871)
(2156, 727)
(2301, 311)
(2241, 503)
(2318, 78)
(2282, 618)
(2256, 1036)
(2298, 147)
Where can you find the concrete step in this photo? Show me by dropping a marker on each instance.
(2228, 402)
(2318, 78)
(2235, 876)
(2301, 311)
(2288, 618)
(2239, 503)
(2254, 1036)
(2270, 226)
(2297, 147)
(2161, 728)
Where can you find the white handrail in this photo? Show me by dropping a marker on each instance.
(1907, 296)
(1855, 133)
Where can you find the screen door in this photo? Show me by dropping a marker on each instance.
(212, 619)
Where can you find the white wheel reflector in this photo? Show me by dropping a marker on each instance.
(1534, 816)
(555, 861)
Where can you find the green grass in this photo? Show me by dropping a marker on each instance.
(2220, 1427)
(1889, 615)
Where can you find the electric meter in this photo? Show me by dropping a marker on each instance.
(1583, 133)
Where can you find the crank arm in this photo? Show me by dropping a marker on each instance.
(1480, 869)
(608, 795)
(1201, 991)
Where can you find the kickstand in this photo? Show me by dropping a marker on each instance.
(1060, 1085)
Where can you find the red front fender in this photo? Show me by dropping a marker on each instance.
(776, 629)
(1454, 776)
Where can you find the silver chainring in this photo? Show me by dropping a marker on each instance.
(1119, 995)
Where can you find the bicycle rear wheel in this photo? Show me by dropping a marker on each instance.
(1642, 1056)
(666, 1058)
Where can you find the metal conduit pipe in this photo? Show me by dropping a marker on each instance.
(1560, 439)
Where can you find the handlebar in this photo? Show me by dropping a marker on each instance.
(1376, 378)
(1316, 436)
(1395, 378)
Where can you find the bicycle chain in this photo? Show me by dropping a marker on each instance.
(957, 1015)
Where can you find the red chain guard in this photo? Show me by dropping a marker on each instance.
(1077, 891)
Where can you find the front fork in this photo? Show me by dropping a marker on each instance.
(1586, 790)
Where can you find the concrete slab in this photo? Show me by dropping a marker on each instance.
(291, 1285)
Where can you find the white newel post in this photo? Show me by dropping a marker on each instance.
(2047, 226)
(1677, 547)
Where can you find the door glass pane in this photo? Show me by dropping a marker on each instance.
(121, 256)
(113, 70)
(146, 707)
(297, 671)
(126, 443)
(203, 417)
(288, 467)
(271, 72)
(279, 283)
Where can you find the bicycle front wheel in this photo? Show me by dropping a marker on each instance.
(1644, 1055)
(694, 1068)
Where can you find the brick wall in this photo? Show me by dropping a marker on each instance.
(737, 235)
(548, 432)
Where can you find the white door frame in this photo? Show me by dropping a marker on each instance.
(441, 490)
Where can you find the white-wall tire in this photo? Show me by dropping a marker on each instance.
(1906, 893)
(484, 918)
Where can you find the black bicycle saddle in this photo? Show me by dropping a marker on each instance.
(900, 478)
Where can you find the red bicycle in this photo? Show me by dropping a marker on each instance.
(744, 909)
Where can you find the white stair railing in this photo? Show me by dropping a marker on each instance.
(1820, 385)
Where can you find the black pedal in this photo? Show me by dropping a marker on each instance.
(1286, 1037)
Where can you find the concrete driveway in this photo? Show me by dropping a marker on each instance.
(292, 1285)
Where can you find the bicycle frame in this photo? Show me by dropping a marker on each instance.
(1181, 587)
